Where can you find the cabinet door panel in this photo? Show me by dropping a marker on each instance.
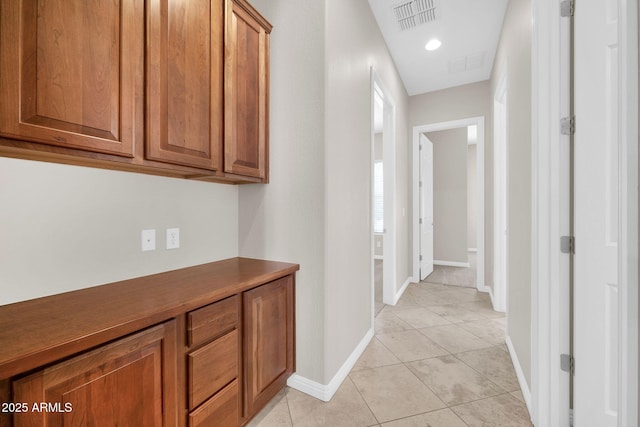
(269, 335)
(212, 367)
(246, 136)
(122, 383)
(219, 411)
(212, 320)
(72, 72)
(185, 75)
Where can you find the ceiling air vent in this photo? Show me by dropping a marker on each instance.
(415, 12)
(466, 63)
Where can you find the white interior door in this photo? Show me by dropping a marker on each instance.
(426, 207)
(597, 300)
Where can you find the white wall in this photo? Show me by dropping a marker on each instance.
(285, 220)
(450, 195)
(472, 196)
(69, 227)
(514, 58)
(354, 44)
(317, 208)
(456, 103)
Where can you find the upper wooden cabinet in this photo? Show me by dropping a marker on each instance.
(185, 107)
(246, 91)
(71, 73)
(177, 88)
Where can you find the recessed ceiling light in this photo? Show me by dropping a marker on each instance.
(433, 44)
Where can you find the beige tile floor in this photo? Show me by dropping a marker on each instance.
(437, 359)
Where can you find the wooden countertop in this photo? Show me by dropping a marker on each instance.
(40, 331)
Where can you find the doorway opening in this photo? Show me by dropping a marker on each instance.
(422, 263)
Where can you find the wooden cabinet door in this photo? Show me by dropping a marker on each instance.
(131, 382)
(246, 92)
(185, 48)
(71, 73)
(268, 341)
(219, 411)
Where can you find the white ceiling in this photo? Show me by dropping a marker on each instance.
(469, 31)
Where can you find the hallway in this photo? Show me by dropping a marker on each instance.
(438, 359)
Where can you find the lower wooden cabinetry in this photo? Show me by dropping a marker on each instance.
(222, 410)
(268, 340)
(131, 381)
(210, 361)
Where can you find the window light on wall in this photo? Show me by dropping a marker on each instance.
(378, 198)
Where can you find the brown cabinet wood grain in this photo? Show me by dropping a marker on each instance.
(129, 382)
(212, 367)
(213, 320)
(71, 73)
(269, 358)
(185, 48)
(222, 410)
(246, 91)
(152, 86)
(168, 349)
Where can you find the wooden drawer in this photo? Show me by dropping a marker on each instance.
(212, 320)
(222, 410)
(212, 367)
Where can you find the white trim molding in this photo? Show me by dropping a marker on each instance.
(400, 291)
(452, 263)
(326, 392)
(628, 242)
(550, 216)
(524, 387)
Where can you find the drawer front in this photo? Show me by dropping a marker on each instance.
(221, 410)
(212, 367)
(212, 320)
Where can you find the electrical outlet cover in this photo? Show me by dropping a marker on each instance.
(173, 238)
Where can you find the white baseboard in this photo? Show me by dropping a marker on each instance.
(524, 387)
(472, 250)
(452, 263)
(326, 392)
(488, 290)
(398, 294)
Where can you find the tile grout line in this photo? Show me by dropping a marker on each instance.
(448, 353)
(362, 397)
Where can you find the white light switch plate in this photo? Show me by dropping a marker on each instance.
(148, 240)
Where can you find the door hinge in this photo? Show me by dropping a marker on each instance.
(568, 125)
(420, 257)
(567, 7)
(420, 184)
(420, 147)
(567, 363)
(568, 244)
(420, 220)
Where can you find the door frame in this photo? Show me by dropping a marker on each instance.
(433, 127)
(422, 191)
(500, 196)
(389, 293)
(550, 212)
